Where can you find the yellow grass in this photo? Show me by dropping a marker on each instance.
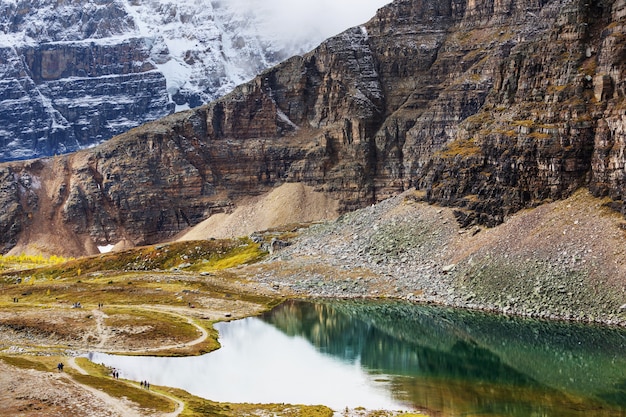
(17, 262)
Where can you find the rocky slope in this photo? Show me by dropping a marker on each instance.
(560, 260)
(486, 106)
(74, 74)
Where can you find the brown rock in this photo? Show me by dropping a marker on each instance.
(487, 106)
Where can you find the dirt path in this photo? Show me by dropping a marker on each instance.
(118, 405)
(115, 405)
(100, 336)
(103, 333)
(180, 406)
(203, 333)
(72, 363)
(102, 330)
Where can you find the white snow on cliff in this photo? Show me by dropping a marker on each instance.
(210, 47)
(202, 47)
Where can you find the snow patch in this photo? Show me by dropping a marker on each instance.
(120, 125)
(204, 49)
(182, 107)
(106, 248)
(286, 119)
(176, 74)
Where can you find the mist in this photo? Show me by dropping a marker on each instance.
(309, 20)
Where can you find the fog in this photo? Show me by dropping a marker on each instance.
(312, 20)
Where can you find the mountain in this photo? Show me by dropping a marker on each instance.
(73, 74)
(489, 107)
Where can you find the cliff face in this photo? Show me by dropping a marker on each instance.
(73, 74)
(488, 106)
(57, 98)
(63, 86)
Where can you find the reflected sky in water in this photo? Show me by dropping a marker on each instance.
(403, 356)
(260, 364)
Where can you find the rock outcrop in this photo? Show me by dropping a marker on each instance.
(58, 98)
(488, 106)
(73, 74)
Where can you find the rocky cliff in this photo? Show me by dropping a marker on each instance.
(488, 106)
(57, 98)
(74, 74)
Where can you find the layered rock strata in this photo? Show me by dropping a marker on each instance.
(73, 74)
(488, 106)
(56, 98)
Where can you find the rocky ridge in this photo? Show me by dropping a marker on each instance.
(490, 107)
(76, 74)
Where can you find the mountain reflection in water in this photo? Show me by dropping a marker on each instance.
(392, 355)
(454, 362)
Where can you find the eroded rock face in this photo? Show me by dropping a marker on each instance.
(73, 74)
(489, 106)
(57, 98)
(63, 87)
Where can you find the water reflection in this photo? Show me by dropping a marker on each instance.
(259, 364)
(395, 355)
(453, 362)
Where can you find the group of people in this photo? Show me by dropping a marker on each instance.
(116, 375)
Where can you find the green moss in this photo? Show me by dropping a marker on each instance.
(161, 324)
(245, 254)
(200, 407)
(93, 368)
(98, 379)
(153, 258)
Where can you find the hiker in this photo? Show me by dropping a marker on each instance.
(141, 384)
(60, 366)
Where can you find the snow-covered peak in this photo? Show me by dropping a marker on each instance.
(203, 48)
(39, 21)
(77, 72)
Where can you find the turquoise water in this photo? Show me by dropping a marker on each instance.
(403, 356)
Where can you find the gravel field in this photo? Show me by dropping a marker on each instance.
(543, 262)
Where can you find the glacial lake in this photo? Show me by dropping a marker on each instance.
(400, 356)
